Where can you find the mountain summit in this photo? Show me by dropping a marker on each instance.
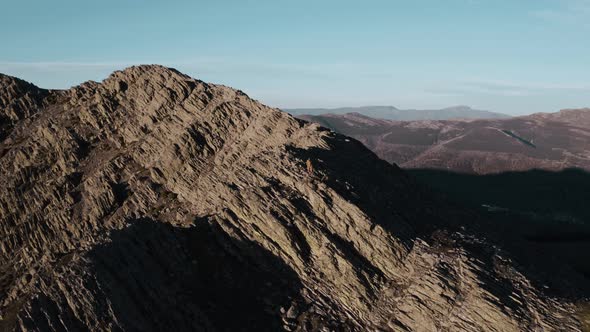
(153, 201)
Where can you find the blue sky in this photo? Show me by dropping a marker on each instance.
(508, 56)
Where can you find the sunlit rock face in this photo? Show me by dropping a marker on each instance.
(154, 201)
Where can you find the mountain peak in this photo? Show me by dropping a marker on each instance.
(142, 76)
(154, 70)
(154, 201)
(458, 108)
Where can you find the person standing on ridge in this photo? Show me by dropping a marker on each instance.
(309, 167)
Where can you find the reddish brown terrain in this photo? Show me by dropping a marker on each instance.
(152, 201)
(539, 141)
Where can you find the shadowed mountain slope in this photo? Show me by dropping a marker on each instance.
(541, 217)
(154, 201)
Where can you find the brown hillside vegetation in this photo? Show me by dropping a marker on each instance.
(549, 141)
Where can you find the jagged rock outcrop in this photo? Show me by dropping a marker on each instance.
(154, 201)
(18, 101)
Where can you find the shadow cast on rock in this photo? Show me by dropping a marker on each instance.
(540, 218)
(385, 193)
(160, 277)
(417, 204)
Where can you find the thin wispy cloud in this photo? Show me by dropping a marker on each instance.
(530, 86)
(566, 12)
(209, 65)
(508, 89)
(61, 65)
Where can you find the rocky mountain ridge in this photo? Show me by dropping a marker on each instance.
(154, 201)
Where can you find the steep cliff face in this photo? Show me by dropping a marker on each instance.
(154, 201)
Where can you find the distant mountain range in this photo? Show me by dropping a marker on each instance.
(392, 113)
(540, 141)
